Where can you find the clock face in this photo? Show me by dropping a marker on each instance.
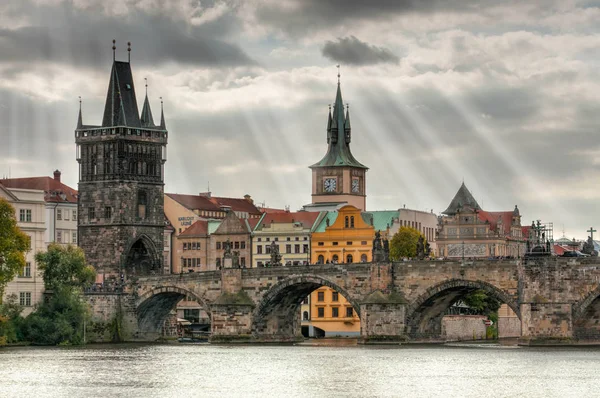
(329, 184)
(355, 185)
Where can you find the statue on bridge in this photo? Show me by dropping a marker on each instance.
(275, 256)
(421, 248)
(227, 249)
(381, 249)
(588, 247)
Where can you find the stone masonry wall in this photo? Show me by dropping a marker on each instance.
(463, 327)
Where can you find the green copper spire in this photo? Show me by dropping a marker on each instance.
(338, 137)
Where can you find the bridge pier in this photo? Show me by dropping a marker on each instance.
(546, 324)
(231, 323)
(382, 319)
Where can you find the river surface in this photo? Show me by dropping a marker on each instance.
(336, 369)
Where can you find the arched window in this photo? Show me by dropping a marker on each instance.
(305, 316)
(349, 259)
(335, 258)
(363, 258)
(352, 222)
(321, 259)
(346, 222)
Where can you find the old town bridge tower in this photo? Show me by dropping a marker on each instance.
(339, 177)
(121, 182)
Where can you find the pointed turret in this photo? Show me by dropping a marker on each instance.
(462, 199)
(347, 129)
(79, 119)
(121, 107)
(338, 137)
(146, 118)
(163, 126)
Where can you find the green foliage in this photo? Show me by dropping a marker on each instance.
(65, 267)
(483, 303)
(404, 243)
(11, 320)
(60, 319)
(13, 245)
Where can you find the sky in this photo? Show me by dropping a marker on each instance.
(503, 95)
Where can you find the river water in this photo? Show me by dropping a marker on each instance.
(338, 369)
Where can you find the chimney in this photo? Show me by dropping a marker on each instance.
(207, 194)
(57, 175)
(248, 198)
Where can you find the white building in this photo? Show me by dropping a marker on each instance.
(29, 206)
(423, 221)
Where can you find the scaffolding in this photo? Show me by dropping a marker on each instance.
(540, 242)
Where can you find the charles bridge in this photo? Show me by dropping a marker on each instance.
(556, 299)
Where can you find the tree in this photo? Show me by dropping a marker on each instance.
(10, 320)
(404, 243)
(483, 303)
(13, 245)
(59, 319)
(64, 267)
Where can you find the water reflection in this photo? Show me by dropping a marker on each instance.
(320, 368)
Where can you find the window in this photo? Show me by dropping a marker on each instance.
(259, 249)
(349, 259)
(335, 312)
(243, 245)
(259, 239)
(305, 316)
(26, 271)
(108, 212)
(363, 258)
(352, 222)
(288, 248)
(66, 215)
(276, 239)
(363, 243)
(346, 222)
(335, 296)
(305, 238)
(142, 202)
(349, 312)
(198, 261)
(192, 315)
(91, 213)
(335, 258)
(335, 243)
(25, 299)
(185, 246)
(58, 214)
(236, 245)
(320, 312)
(268, 249)
(218, 245)
(288, 238)
(320, 296)
(59, 236)
(243, 261)
(305, 249)
(74, 237)
(25, 215)
(296, 249)
(349, 243)
(218, 263)
(74, 218)
(268, 239)
(320, 244)
(321, 259)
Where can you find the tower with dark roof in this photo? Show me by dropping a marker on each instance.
(121, 180)
(339, 177)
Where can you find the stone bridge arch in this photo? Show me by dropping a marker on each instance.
(585, 315)
(277, 316)
(153, 307)
(424, 314)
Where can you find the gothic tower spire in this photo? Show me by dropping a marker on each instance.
(146, 119)
(79, 119)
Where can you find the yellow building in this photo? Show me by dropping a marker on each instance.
(331, 315)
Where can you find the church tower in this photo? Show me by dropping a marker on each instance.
(339, 177)
(121, 182)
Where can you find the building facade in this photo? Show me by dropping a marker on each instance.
(121, 179)
(423, 221)
(331, 315)
(290, 231)
(339, 177)
(467, 231)
(30, 212)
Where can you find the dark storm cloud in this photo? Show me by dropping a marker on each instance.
(351, 51)
(320, 14)
(64, 34)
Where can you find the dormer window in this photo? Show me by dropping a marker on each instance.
(128, 87)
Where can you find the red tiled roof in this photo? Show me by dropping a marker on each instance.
(307, 218)
(525, 231)
(54, 190)
(236, 204)
(559, 250)
(194, 202)
(492, 217)
(270, 210)
(199, 228)
(253, 222)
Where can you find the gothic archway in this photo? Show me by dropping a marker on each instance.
(142, 258)
(586, 317)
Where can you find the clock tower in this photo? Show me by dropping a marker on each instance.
(339, 177)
